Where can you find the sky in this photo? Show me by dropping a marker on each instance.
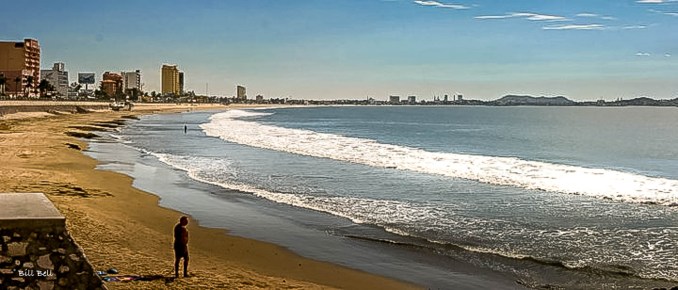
(354, 49)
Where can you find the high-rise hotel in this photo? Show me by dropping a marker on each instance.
(19, 64)
(170, 80)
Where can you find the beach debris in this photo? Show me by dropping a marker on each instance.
(85, 135)
(54, 112)
(88, 128)
(74, 146)
(81, 110)
(112, 271)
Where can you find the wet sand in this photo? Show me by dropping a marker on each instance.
(121, 227)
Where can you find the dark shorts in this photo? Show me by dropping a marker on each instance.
(181, 251)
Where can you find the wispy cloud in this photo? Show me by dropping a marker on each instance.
(525, 15)
(667, 55)
(575, 27)
(664, 12)
(594, 15)
(441, 5)
(655, 1)
(635, 27)
(643, 54)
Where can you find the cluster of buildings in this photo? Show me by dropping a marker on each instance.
(411, 100)
(21, 76)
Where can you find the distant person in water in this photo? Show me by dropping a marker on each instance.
(185, 129)
(181, 245)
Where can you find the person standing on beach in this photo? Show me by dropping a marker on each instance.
(181, 246)
(185, 129)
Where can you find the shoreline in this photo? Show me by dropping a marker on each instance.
(122, 227)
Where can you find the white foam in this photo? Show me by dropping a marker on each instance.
(601, 183)
(358, 210)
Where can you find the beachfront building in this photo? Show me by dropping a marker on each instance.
(394, 99)
(241, 93)
(131, 84)
(181, 82)
(20, 67)
(170, 80)
(131, 80)
(111, 84)
(57, 77)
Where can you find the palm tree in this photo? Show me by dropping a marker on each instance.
(29, 84)
(3, 81)
(17, 80)
(45, 86)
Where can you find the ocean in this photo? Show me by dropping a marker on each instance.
(447, 197)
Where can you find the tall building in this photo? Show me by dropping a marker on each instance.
(19, 63)
(170, 80)
(57, 77)
(241, 93)
(181, 82)
(131, 80)
(394, 99)
(111, 84)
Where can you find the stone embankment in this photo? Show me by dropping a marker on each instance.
(36, 251)
(11, 107)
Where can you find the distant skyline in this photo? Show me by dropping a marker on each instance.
(313, 49)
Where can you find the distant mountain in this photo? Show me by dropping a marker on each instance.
(645, 101)
(513, 100)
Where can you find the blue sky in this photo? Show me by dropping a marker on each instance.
(324, 49)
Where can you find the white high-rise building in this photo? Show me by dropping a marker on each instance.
(131, 80)
(57, 77)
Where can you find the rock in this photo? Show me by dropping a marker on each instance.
(6, 239)
(81, 110)
(5, 259)
(86, 135)
(46, 285)
(74, 257)
(29, 265)
(73, 146)
(63, 269)
(17, 249)
(63, 282)
(19, 279)
(45, 263)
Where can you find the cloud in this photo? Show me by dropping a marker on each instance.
(635, 27)
(643, 54)
(594, 15)
(667, 55)
(655, 1)
(575, 27)
(664, 12)
(525, 15)
(441, 5)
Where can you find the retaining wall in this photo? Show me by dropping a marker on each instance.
(36, 251)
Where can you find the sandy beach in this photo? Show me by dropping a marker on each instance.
(121, 227)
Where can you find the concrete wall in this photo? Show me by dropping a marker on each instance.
(36, 251)
(4, 110)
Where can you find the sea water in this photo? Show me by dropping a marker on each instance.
(576, 197)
